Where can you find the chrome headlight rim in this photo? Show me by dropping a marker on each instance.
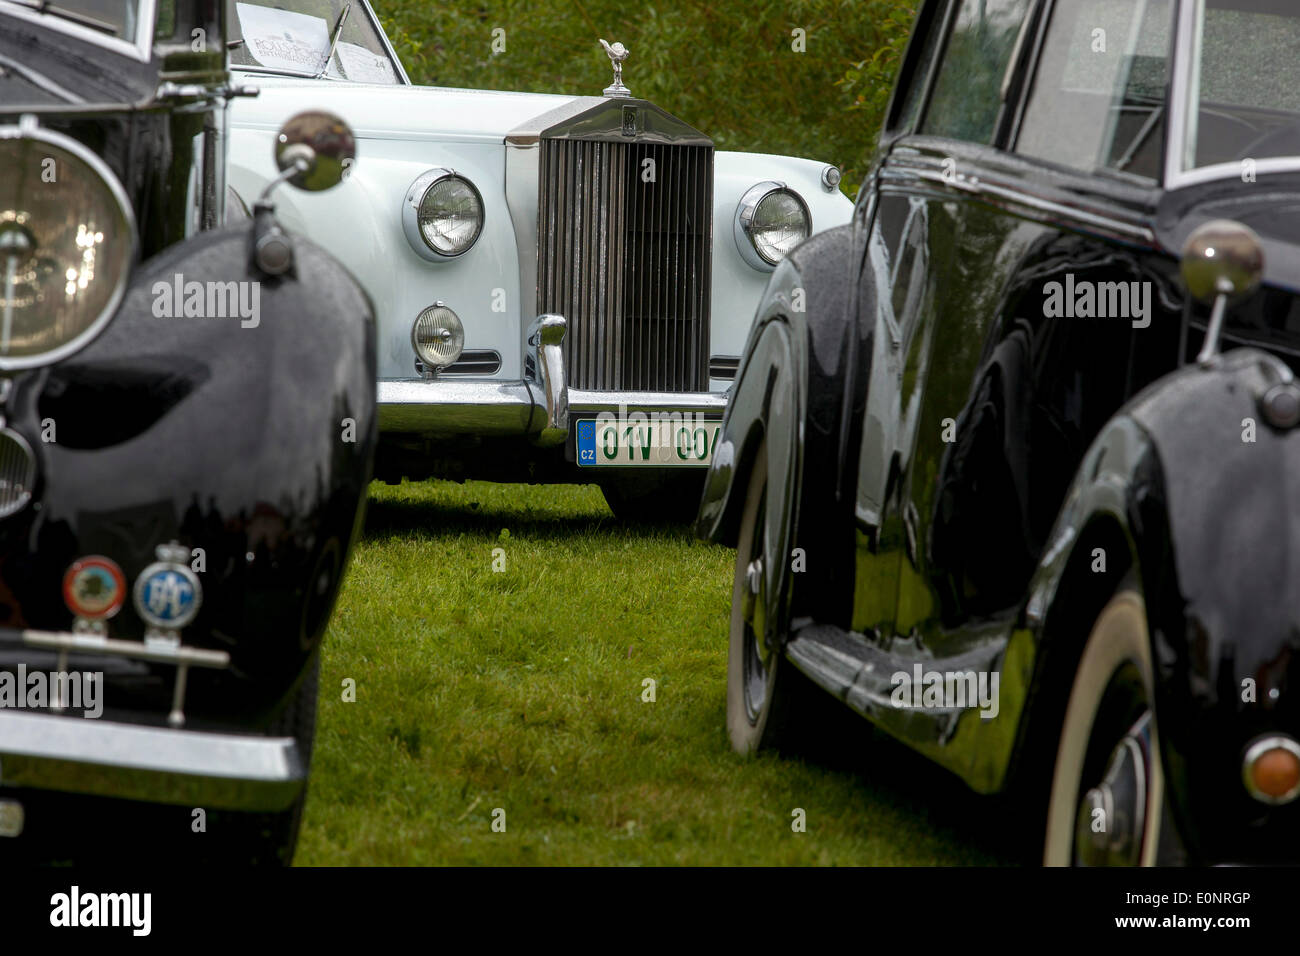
(414, 198)
(433, 365)
(115, 189)
(744, 221)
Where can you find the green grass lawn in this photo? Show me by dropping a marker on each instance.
(522, 690)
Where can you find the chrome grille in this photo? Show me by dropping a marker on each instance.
(627, 262)
(17, 472)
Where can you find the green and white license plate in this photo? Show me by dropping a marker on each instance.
(649, 444)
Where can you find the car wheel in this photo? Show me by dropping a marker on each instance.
(655, 499)
(1107, 795)
(770, 703)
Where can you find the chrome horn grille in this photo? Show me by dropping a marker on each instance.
(626, 261)
(17, 472)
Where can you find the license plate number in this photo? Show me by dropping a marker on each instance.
(648, 444)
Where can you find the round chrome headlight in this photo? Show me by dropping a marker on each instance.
(770, 221)
(437, 336)
(67, 241)
(442, 214)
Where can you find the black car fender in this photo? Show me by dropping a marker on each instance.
(1214, 550)
(799, 383)
(250, 437)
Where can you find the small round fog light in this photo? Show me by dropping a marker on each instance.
(437, 336)
(1271, 769)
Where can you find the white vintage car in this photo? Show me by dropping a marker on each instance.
(563, 284)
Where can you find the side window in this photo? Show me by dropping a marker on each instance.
(968, 92)
(910, 108)
(1098, 100)
(1245, 113)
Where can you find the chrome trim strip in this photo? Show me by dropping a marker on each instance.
(188, 767)
(66, 642)
(522, 165)
(447, 408)
(1009, 74)
(898, 175)
(157, 651)
(1209, 174)
(137, 49)
(1179, 91)
(383, 35)
(617, 402)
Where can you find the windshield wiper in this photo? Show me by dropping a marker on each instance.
(278, 71)
(334, 38)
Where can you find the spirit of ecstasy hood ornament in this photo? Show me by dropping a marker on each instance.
(617, 53)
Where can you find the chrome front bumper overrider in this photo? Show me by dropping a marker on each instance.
(540, 407)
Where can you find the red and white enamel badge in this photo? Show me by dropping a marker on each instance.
(94, 588)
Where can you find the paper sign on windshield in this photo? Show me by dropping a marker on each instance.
(283, 40)
(362, 66)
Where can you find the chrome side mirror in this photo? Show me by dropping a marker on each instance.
(1222, 261)
(315, 147)
(312, 150)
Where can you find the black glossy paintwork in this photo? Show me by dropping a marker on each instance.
(1221, 599)
(225, 438)
(832, 345)
(1001, 447)
(252, 443)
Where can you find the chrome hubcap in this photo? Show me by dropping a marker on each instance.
(1111, 819)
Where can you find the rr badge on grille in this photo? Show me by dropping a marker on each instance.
(168, 593)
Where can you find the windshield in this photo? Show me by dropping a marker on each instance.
(114, 17)
(293, 36)
(1246, 103)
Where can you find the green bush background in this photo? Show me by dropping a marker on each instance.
(727, 67)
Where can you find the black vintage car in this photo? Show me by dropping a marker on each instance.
(188, 405)
(1012, 462)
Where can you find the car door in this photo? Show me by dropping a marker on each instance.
(1032, 310)
(963, 56)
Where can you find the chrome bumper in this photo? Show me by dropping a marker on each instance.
(539, 407)
(155, 764)
(158, 765)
